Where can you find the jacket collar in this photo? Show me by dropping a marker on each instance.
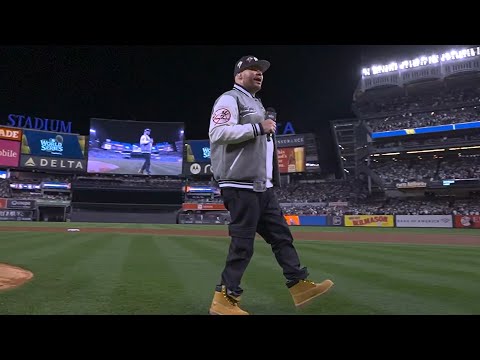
(242, 89)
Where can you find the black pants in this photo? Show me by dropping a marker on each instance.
(146, 164)
(257, 212)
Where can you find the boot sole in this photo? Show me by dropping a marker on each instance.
(215, 313)
(306, 302)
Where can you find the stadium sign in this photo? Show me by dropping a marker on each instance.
(34, 122)
(48, 163)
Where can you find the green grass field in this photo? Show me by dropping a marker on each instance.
(111, 273)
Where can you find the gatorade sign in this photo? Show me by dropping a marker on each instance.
(10, 134)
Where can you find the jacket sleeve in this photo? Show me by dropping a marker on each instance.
(224, 126)
(144, 140)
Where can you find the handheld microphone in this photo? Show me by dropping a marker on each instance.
(272, 115)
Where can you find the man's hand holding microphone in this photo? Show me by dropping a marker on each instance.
(269, 125)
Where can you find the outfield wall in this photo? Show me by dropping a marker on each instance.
(124, 213)
(388, 221)
(385, 221)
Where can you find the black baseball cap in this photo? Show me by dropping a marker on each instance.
(147, 129)
(250, 61)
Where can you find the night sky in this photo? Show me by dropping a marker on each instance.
(308, 85)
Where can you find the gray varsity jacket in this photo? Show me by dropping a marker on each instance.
(237, 142)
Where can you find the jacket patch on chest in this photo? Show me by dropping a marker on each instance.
(247, 111)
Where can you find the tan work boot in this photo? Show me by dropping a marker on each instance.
(222, 304)
(305, 291)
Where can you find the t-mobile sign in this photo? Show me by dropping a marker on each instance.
(9, 153)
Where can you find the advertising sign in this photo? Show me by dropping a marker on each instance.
(292, 219)
(291, 160)
(198, 151)
(10, 133)
(426, 221)
(313, 220)
(411, 185)
(369, 220)
(49, 163)
(467, 221)
(290, 140)
(16, 215)
(198, 169)
(203, 206)
(9, 153)
(20, 204)
(54, 145)
(335, 221)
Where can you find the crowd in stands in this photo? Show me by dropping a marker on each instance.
(322, 192)
(5, 190)
(317, 199)
(439, 104)
(340, 198)
(22, 194)
(439, 140)
(390, 207)
(441, 98)
(200, 183)
(36, 178)
(128, 181)
(422, 119)
(336, 198)
(459, 168)
(438, 168)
